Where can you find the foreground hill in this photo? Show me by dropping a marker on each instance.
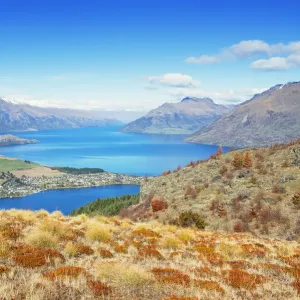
(10, 140)
(24, 117)
(270, 117)
(256, 190)
(50, 256)
(184, 117)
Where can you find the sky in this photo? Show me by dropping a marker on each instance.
(136, 55)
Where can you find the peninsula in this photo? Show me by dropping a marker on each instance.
(21, 178)
(10, 140)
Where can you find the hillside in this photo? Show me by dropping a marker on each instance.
(262, 196)
(270, 117)
(184, 117)
(50, 256)
(10, 140)
(24, 117)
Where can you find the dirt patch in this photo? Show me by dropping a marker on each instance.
(37, 172)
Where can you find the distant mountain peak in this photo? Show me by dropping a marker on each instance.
(270, 117)
(195, 99)
(184, 117)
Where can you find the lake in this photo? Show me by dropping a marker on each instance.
(109, 149)
(68, 199)
(106, 148)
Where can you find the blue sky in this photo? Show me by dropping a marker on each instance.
(137, 55)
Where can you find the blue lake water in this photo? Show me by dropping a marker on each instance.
(109, 149)
(68, 199)
(106, 148)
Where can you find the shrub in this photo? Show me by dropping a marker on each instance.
(32, 257)
(171, 276)
(238, 226)
(296, 199)
(98, 288)
(189, 219)
(4, 269)
(65, 272)
(104, 253)
(74, 249)
(209, 285)
(278, 189)
(150, 253)
(241, 279)
(296, 285)
(247, 160)
(158, 204)
(237, 161)
(223, 170)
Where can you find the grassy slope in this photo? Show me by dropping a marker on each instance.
(15, 164)
(126, 260)
(259, 197)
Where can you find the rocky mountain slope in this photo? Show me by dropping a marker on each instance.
(255, 190)
(24, 117)
(267, 118)
(51, 256)
(9, 140)
(184, 117)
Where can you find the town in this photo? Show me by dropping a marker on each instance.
(13, 186)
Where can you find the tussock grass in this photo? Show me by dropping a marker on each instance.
(111, 258)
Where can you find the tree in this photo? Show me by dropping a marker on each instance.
(237, 161)
(247, 160)
(220, 151)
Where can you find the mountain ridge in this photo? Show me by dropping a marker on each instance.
(25, 117)
(184, 117)
(267, 118)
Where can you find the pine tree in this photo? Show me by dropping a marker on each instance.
(237, 161)
(247, 160)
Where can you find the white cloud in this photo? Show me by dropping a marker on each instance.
(174, 80)
(277, 63)
(246, 49)
(273, 57)
(272, 64)
(203, 59)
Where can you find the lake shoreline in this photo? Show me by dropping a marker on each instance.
(16, 187)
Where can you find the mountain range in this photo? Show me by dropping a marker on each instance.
(184, 117)
(24, 117)
(270, 117)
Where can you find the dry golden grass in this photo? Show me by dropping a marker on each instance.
(109, 258)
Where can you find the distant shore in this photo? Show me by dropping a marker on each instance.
(22, 178)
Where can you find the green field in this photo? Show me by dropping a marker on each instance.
(13, 165)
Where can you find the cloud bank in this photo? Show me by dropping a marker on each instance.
(267, 57)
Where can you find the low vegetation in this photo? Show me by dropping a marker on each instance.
(107, 207)
(110, 258)
(248, 190)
